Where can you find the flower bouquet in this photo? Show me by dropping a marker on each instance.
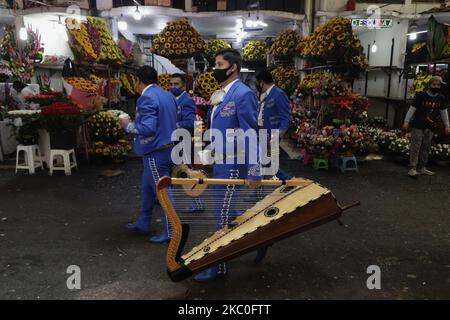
(34, 46)
(164, 81)
(207, 84)
(255, 51)
(212, 46)
(348, 139)
(420, 83)
(115, 151)
(62, 120)
(129, 82)
(178, 40)
(440, 153)
(335, 41)
(105, 127)
(285, 46)
(286, 78)
(102, 40)
(399, 148)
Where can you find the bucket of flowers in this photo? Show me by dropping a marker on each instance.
(440, 153)
(349, 137)
(399, 148)
(62, 120)
(25, 125)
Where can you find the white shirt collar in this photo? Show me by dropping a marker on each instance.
(180, 95)
(228, 86)
(146, 88)
(270, 89)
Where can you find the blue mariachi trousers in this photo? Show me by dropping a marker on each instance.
(156, 165)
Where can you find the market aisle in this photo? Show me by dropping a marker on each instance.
(54, 222)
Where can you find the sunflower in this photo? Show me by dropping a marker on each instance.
(337, 28)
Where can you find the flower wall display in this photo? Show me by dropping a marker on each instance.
(207, 84)
(178, 40)
(164, 81)
(212, 46)
(285, 45)
(110, 51)
(92, 41)
(336, 41)
(255, 51)
(80, 41)
(286, 77)
(20, 63)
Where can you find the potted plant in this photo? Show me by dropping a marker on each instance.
(440, 153)
(62, 120)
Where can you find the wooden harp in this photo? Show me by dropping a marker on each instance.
(288, 208)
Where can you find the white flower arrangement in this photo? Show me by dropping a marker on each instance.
(440, 152)
(116, 113)
(18, 113)
(400, 147)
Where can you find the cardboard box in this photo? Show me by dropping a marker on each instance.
(221, 5)
(151, 2)
(165, 3)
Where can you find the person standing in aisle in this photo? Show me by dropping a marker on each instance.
(156, 114)
(186, 108)
(422, 117)
(274, 112)
(235, 107)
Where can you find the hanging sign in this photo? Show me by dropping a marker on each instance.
(372, 23)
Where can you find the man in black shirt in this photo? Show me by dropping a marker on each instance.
(423, 113)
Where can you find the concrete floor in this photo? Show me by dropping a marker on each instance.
(48, 223)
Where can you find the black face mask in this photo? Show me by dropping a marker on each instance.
(435, 90)
(221, 74)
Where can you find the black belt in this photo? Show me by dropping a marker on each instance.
(163, 147)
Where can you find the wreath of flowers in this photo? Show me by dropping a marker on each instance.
(255, 51)
(212, 46)
(285, 45)
(178, 40)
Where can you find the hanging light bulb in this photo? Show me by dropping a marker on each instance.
(137, 14)
(413, 33)
(374, 47)
(23, 34)
(122, 24)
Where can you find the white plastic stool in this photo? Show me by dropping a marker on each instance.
(68, 157)
(32, 158)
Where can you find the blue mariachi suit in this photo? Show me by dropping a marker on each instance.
(155, 121)
(186, 109)
(237, 110)
(276, 114)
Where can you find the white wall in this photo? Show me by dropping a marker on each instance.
(383, 39)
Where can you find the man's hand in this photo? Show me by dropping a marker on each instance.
(406, 127)
(253, 183)
(447, 131)
(123, 123)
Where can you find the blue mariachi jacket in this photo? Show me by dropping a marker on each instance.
(238, 110)
(276, 112)
(156, 114)
(186, 109)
